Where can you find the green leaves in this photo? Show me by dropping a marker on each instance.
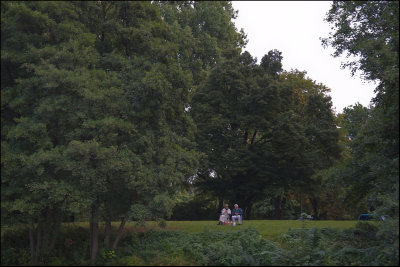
(260, 127)
(370, 31)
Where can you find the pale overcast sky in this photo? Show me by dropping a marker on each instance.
(294, 28)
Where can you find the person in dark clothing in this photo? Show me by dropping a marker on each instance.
(237, 213)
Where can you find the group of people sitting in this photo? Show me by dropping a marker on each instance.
(226, 214)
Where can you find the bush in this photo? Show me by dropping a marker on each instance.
(70, 249)
(154, 247)
(365, 244)
(15, 246)
(244, 247)
(356, 246)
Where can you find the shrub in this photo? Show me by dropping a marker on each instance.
(15, 246)
(244, 247)
(365, 244)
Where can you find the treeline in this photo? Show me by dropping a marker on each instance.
(125, 110)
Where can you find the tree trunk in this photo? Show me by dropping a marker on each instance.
(94, 226)
(55, 234)
(49, 223)
(57, 219)
(246, 207)
(94, 232)
(32, 245)
(314, 203)
(254, 136)
(107, 233)
(53, 241)
(119, 232)
(283, 203)
(220, 205)
(277, 208)
(247, 212)
(246, 134)
(38, 244)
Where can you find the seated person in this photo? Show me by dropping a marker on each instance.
(225, 213)
(237, 213)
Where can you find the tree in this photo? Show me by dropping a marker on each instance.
(261, 129)
(34, 187)
(94, 115)
(370, 31)
(319, 140)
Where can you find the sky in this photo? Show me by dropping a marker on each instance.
(295, 28)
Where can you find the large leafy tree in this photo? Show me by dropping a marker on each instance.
(369, 31)
(261, 128)
(36, 108)
(320, 147)
(93, 98)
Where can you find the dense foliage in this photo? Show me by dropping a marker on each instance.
(370, 32)
(262, 129)
(369, 174)
(245, 247)
(124, 110)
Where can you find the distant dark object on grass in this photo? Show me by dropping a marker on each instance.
(305, 216)
(373, 217)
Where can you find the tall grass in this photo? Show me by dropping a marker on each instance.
(269, 229)
(204, 243)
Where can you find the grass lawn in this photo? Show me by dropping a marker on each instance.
(270, 229)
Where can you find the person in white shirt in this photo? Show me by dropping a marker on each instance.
(225, 213)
